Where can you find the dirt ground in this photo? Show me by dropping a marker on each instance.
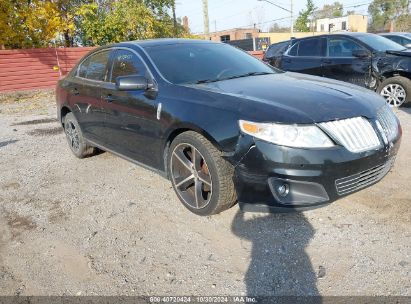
(103, 226)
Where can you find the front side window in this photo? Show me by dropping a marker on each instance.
(126, 63)
(342, 47)
(191, 63)
(95, 66)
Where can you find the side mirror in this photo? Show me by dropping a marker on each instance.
(408, 46)
(133, 82)
(360, 53)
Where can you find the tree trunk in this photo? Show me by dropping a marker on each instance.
(174, 18)
(67, 40)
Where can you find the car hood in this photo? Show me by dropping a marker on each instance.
(297, 98)
(406, 53)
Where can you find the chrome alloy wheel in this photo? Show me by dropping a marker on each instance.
(72, 135)
(394, 94)
(190, 176)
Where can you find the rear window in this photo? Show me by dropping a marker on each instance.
(277, 49)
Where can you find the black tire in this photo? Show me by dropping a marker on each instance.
(223, 194)
(76, 141)
(404, 82)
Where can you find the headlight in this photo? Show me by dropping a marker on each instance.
(308, 136)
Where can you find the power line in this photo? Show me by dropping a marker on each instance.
(265, 22)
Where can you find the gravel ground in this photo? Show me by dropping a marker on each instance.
(103, 226)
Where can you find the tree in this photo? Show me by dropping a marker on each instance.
(126, 20)
(276, 28)
(304, 18)
(403, 23)
(383, 12)
(330, 11)
(68, 10)
(28, 23)
(35, 23)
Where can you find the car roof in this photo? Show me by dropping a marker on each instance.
(395, 34)
(153, 42)
(165, 41)
(345, 34)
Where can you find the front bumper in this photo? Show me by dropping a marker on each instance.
(312, 178)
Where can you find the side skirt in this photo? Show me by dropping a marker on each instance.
(159, 172)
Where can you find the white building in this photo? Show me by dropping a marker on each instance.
(351, 23)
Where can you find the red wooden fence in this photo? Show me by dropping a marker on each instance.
(257, 54)
(34, 68)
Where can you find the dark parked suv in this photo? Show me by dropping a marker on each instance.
(366, 60)
(225, 127)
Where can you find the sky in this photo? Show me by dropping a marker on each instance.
(227, 14)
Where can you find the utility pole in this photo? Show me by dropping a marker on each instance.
(206, 21)
(292, 21)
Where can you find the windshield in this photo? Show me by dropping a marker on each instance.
(380, 44)
(191, 63)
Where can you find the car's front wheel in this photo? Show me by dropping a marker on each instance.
(75, 138)
(396, 90)
(202, 179)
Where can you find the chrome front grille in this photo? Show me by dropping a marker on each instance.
(363, 179)
(355, 134)
(388, 123)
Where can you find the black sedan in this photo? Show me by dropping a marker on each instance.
(363, 59)
(225, 127)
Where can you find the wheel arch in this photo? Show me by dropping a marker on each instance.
(391, 74)
(178, 129)
(63, 112)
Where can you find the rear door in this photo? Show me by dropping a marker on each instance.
(85, 95)
(132, 122)
(305, 56)
(340, 63)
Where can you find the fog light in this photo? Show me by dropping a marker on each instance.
(283, 190)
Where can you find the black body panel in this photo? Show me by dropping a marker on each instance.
(139, 124)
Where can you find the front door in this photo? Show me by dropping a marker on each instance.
(132, 124)
(340, 63)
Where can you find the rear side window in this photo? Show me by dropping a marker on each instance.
(311, 47)
(95, 66)
(126, 63)
(294, 50)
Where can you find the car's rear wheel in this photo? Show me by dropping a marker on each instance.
(202, 179)
(75, 138)
(396, 90)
